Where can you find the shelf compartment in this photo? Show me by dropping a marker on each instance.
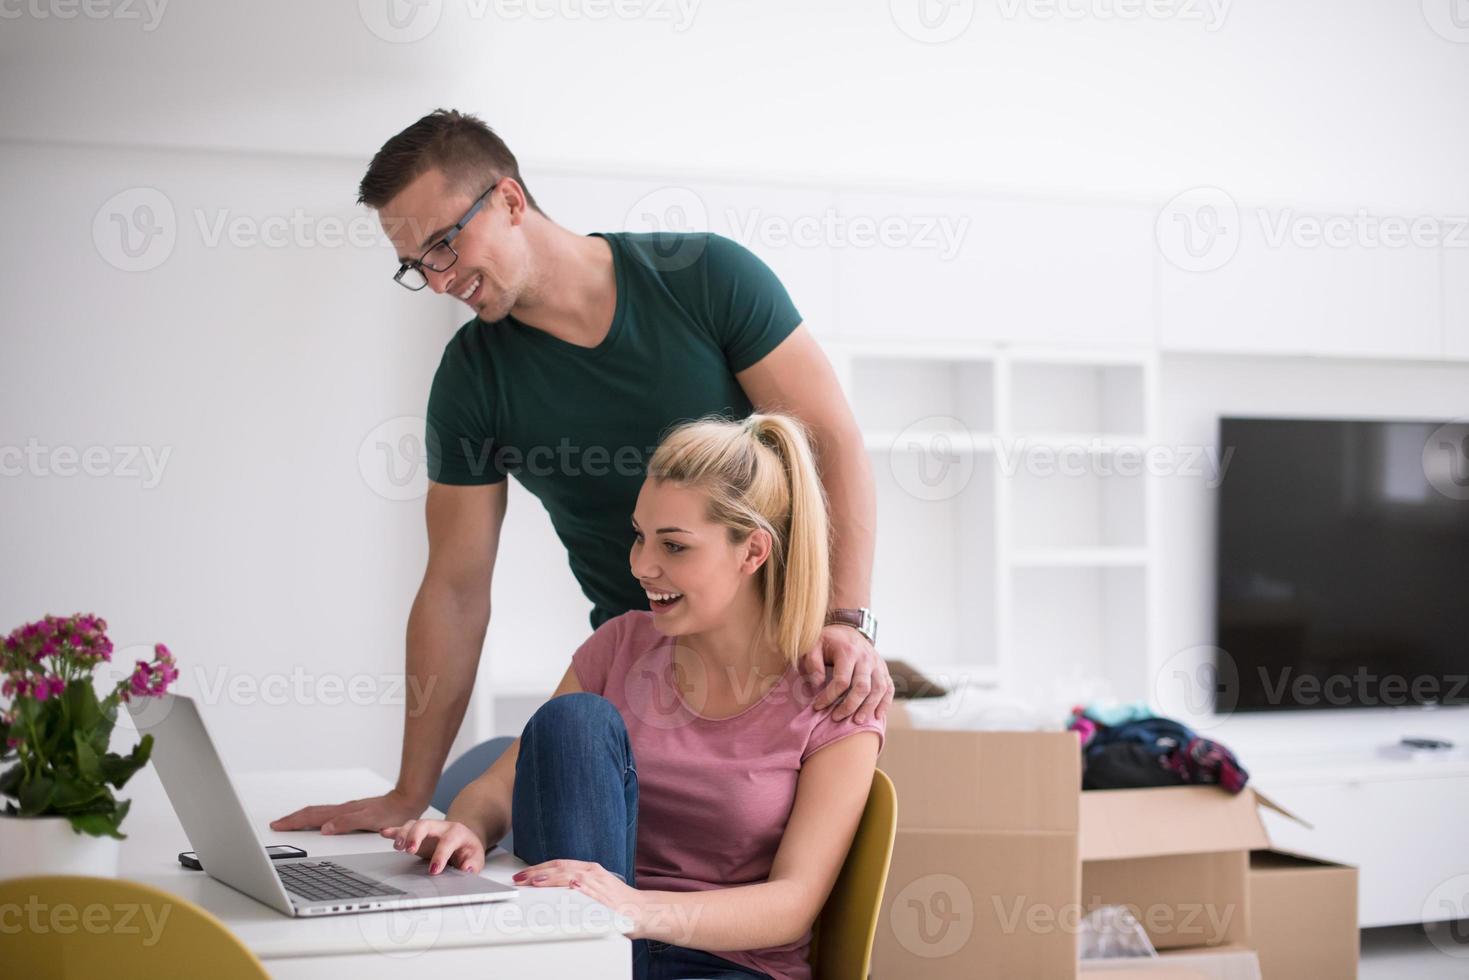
(933, 578)
(1088, 510)
(1079, 632)
(922, 395)
(1066, 397)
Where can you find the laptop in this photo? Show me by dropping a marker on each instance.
(230, 851)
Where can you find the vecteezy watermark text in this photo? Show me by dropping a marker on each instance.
(408, 21)
(37, 917)
(1203, 228)
(148, 13)
(143, 463)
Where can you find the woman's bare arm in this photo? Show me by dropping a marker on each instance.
(831, 793)
(484, 804)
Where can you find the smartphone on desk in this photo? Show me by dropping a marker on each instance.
(277, 852)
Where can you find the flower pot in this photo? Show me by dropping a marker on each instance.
(49, 846)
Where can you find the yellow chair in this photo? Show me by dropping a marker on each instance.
(76, 928)
(841, 940)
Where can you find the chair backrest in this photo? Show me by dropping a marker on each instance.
(73, 927)
(466, 769)
(841, 941)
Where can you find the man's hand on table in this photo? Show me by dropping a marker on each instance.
(372, 813)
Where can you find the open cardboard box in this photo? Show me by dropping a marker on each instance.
(1177, 856)
(999, 853)
(1195, 865)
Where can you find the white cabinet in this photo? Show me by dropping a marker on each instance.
(1079, 624)
(921, 394)
(1012, 548)
(1405, 834)
(933, 578)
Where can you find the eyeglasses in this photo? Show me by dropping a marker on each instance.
(440, 256)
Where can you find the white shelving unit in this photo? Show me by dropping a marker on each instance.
(1014, 549)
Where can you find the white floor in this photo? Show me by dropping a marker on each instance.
(1407, 953)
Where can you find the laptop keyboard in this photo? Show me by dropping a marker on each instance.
(323, 881)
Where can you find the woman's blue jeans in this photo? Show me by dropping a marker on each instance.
(576, 797)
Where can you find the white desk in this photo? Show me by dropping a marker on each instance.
(555, 932)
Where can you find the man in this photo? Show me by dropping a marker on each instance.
(583, 351)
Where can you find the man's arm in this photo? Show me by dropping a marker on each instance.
(797, 379)
(483, 807)
(446, 632)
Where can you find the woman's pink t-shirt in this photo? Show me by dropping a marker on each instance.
(714, 794)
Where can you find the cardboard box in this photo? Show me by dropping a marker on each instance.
(1177, 856)
(1303, 916)
(999, 854)
(1217, 963)
(985, 875)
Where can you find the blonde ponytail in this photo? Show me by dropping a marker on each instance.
(761, 474)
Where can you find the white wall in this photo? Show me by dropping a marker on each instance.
(260, 371)
(1358, 103)
(268, 545)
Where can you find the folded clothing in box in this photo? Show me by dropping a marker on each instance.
(1138, 749)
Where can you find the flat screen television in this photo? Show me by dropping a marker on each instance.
(1342, 564)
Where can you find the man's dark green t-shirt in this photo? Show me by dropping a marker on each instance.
(576, 425)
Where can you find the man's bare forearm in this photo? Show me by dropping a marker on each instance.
(446, 632)
(846, 472)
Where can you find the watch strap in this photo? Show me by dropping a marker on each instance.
(860, 620)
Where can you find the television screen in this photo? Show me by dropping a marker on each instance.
(1342, 564)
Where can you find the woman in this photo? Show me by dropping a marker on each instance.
(675, 774)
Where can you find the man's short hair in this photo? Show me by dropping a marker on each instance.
(468, 152)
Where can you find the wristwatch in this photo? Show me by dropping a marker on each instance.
(860, 620)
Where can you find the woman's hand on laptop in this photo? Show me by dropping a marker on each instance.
(368, 813)
(440, 843)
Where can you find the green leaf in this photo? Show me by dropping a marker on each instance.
(102, 735)
(88, 764)
(81, 704)
(99, 824)
(79, 795)
(52, 727)
(118, 769)
(35, 796)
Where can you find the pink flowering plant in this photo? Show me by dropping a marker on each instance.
(55, 731)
